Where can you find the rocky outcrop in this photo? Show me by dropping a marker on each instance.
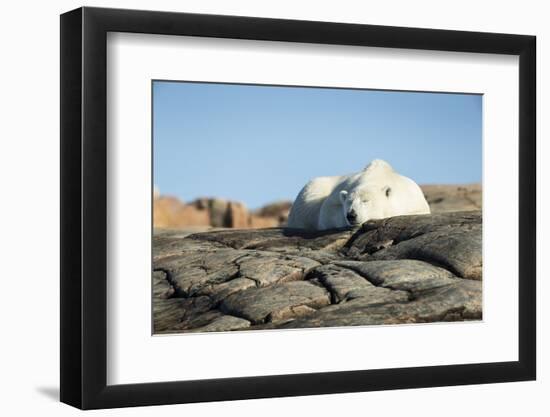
(278, 210)
(408, 269)
(171, 213)
(445, 198)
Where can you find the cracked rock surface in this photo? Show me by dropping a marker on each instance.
(407, 269)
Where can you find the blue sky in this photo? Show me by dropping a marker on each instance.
(259, 144)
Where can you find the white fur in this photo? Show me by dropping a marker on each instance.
(376, 192)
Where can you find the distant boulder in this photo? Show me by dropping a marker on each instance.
(278, 210)
(169, 212)
(446, 198)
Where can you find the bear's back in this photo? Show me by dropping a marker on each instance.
(304, 213)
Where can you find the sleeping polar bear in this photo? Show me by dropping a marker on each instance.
(376, 192)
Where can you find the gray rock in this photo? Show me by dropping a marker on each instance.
(193, 270)
(406, 275)
(266, 269)
(271, 239)
(344, 284)
(161, 286)
(167, 314)
(451, 240)
(218, 293)
(407, 269)
(278, 301)
(456, 302)
(176, 314)
(224, 324)
(339, 281)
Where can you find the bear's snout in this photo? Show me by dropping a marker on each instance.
(352, 216)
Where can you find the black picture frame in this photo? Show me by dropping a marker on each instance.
(84, 207)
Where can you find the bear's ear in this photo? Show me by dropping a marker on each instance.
(343, 195)
(387, 190)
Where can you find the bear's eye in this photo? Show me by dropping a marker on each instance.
(388, 191)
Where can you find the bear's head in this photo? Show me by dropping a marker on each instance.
(363, 204)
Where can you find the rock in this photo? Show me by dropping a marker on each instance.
(445, 198)
(259, 222)
(289, 313)
(276, 302)
(344, 284)
(277, 211)
(407, 269)
(277, 239)
(224, 324)
(232, 214)
(168, 243)
(167, 314)
(455, 302)
(161, 286)
(192, 272)
(176, 314)
(339, 281)
(217, 209)
(451, 240)
(169, 212)
(213, 212)
(218, 293)
(404, 274)
(266, 269)
(237, 216)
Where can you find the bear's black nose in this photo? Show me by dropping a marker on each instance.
(351, 216)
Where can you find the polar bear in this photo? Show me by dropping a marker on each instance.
(376, 192)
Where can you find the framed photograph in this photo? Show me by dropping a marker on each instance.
(257, 208)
